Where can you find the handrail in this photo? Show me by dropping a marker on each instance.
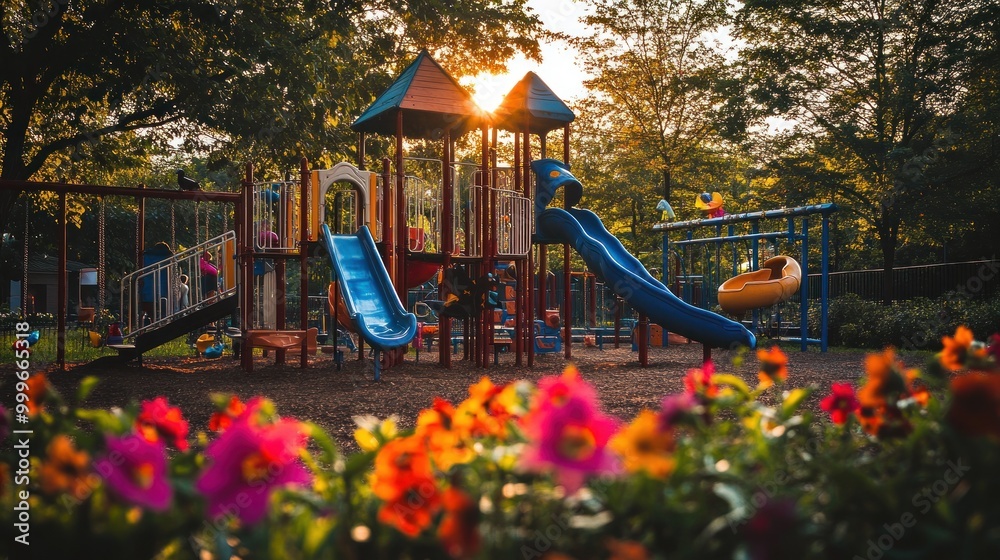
(150, 298)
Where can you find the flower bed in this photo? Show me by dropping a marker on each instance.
(903, 466)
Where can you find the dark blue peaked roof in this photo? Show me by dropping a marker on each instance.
(532, 101)
(431, 102)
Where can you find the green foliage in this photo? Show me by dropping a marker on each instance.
(916, 324)
(880, 98)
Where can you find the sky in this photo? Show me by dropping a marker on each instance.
(559, 68)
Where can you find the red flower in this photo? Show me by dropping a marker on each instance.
(699, 381)
(221, 420)
(975, 404)
(36, 391)
(840, 403)
(157, 419)
(459, 529)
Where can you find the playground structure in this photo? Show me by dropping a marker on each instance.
(385, 232)
(763, 285)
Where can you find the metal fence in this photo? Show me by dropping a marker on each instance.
(971, 279)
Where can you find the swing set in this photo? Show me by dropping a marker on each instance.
(795, 230)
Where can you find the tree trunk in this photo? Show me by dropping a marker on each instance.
(888, 233)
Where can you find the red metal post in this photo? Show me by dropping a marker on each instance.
(400, 212)
(304, 211)
(61, 286)
(485, 218)
(246, 247)
(140, 243)
(447, 248)
(519, 299)
(643, 340)
(543, 285)
(529, 273)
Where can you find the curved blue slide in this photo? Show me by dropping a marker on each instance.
(368, 293)
(621, 271)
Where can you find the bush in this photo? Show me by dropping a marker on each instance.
(903, 468)
(917, 324)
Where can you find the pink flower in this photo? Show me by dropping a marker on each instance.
(567, 433)
(699, 381)
(157, 419)
(248, 461)
(674, 409)
(841, 402)
(135, 470)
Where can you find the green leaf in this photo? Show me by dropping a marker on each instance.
(793, 399)
(732, 381)
(324, 441)
(87, 385)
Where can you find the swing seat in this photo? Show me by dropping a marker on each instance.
(204, 342)
(85, 314)
(95, 339)
(777, 280)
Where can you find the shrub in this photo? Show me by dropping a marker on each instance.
(916, 324)
(905, 463)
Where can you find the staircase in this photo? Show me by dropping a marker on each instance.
(150, 312)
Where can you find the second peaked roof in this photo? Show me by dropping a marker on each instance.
(531, 101)
(431, 102)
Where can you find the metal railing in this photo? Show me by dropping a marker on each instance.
(276, 220)
(150, 296)
(973, 278)
(512, 216)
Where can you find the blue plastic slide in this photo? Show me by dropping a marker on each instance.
(621, 271)
(368, 293)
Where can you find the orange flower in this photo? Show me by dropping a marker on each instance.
(975, 404)
(773, 366)
(626, 550)
(446, 445)
(459, 529)
(65, 469)
(884, 421)
(404, 480)
(699, 381)
(956, 349)
(644, 447)
(221, 420)
(884, 379)
(36, 391)
(484, 413)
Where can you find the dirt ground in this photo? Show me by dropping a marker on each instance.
(332, 398)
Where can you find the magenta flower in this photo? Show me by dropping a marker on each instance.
(248, 461)
(135, 470)
(674, 409)
(567, 433)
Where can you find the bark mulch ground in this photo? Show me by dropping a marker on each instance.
(332, 398)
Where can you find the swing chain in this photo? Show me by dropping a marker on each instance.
(24, 279)
(100, 257)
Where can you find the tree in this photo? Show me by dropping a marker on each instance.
(875, 84)
(659, 66)
(272, 79)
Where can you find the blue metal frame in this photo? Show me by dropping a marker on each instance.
(755, 236)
